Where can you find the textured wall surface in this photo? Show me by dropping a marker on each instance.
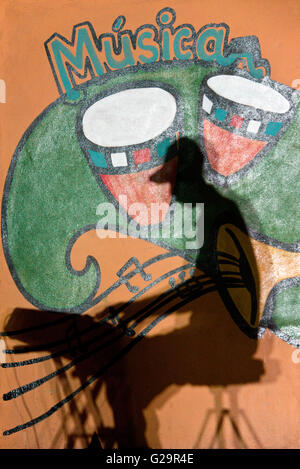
(150, 270)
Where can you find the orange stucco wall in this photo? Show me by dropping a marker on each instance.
(254, 384)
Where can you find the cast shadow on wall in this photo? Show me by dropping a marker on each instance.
(214, 346)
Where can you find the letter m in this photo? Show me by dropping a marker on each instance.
(77, 57)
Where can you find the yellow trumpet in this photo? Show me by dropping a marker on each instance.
(248, 271)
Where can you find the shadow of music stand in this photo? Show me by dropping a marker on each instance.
(221, 414)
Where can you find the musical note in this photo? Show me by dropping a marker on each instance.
(73, 334)
(189, 287)
(172, 282)
(115, 320)
(133, 261)
(182, 276)
(113, 317)
(129, 331)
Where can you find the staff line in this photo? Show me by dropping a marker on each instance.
(118, 356)
(34, 384)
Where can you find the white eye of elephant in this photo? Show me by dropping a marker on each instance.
(129, 117)
(250, 93)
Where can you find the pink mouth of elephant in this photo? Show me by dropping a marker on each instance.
(139, 187)
(226, 151)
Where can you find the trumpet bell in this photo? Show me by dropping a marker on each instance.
(248, 271)
(238, 281)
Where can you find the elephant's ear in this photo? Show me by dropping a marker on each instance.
(50, 193)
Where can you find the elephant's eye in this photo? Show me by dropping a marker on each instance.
(240, 90)
(239, 118)
(129, 117)
(132, 127)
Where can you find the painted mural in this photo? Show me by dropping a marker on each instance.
(162, 180)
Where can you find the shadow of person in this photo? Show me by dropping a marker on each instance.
(209, 350)
(206, 350)
(190, 187)
(225, 251)
(202, 332)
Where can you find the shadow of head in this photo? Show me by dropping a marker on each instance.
(189, 170)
